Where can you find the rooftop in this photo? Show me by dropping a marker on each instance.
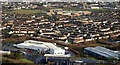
(103, 51)
(57, 55)
(31, 44)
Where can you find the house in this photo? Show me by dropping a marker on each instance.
(66, 21)
(106, 36)
(104, 21)
(78, 40)
(97, 22)
(19, 34)
(16, 31)
(55, 10)
(85, 12)
(95, 7)
(114, 31)
(67, 25)
(74, 4)
(89, 39)
(31, 31)
(104, 29)
(83, 34)
(106, 32)
(94, 34)
(78, 37)
(65, 37)
(116, 35)
(59, 12)
(29, 21)
(47, 32)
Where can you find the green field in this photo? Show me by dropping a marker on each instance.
(27, 12)
(25, 60)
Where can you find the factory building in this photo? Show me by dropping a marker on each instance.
(102, 52)
(56, 57)
(43, 47)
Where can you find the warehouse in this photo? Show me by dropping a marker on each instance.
(41, 47)
(57, 57)
(60, 59)
(101, 52)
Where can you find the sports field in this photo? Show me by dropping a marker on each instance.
(25, 11)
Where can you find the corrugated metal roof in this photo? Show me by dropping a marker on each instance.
(103, 51)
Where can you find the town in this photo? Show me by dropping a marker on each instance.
(61, 33)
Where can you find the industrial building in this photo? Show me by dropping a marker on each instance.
(57, 57)
(5, 52)
(43, 47)
(101, 52)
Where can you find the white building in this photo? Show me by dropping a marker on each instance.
(41, 46)
(5, 52)
(95, 7)
(57, 55)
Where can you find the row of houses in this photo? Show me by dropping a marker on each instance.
(64, 28)
(84, 5)
(65, 32)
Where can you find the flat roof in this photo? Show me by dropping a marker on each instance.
(4, 51)
(57, 55)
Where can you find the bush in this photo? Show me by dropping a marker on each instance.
(15, 55)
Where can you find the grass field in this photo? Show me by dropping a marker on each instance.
(18, 61)
(27, 12)
(25, 60)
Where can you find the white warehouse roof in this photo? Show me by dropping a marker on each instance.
(42, 46)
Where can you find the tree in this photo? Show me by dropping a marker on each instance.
(5, 33)
(16, 55)
(14, 36)
(54, 17)
(37, 31)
